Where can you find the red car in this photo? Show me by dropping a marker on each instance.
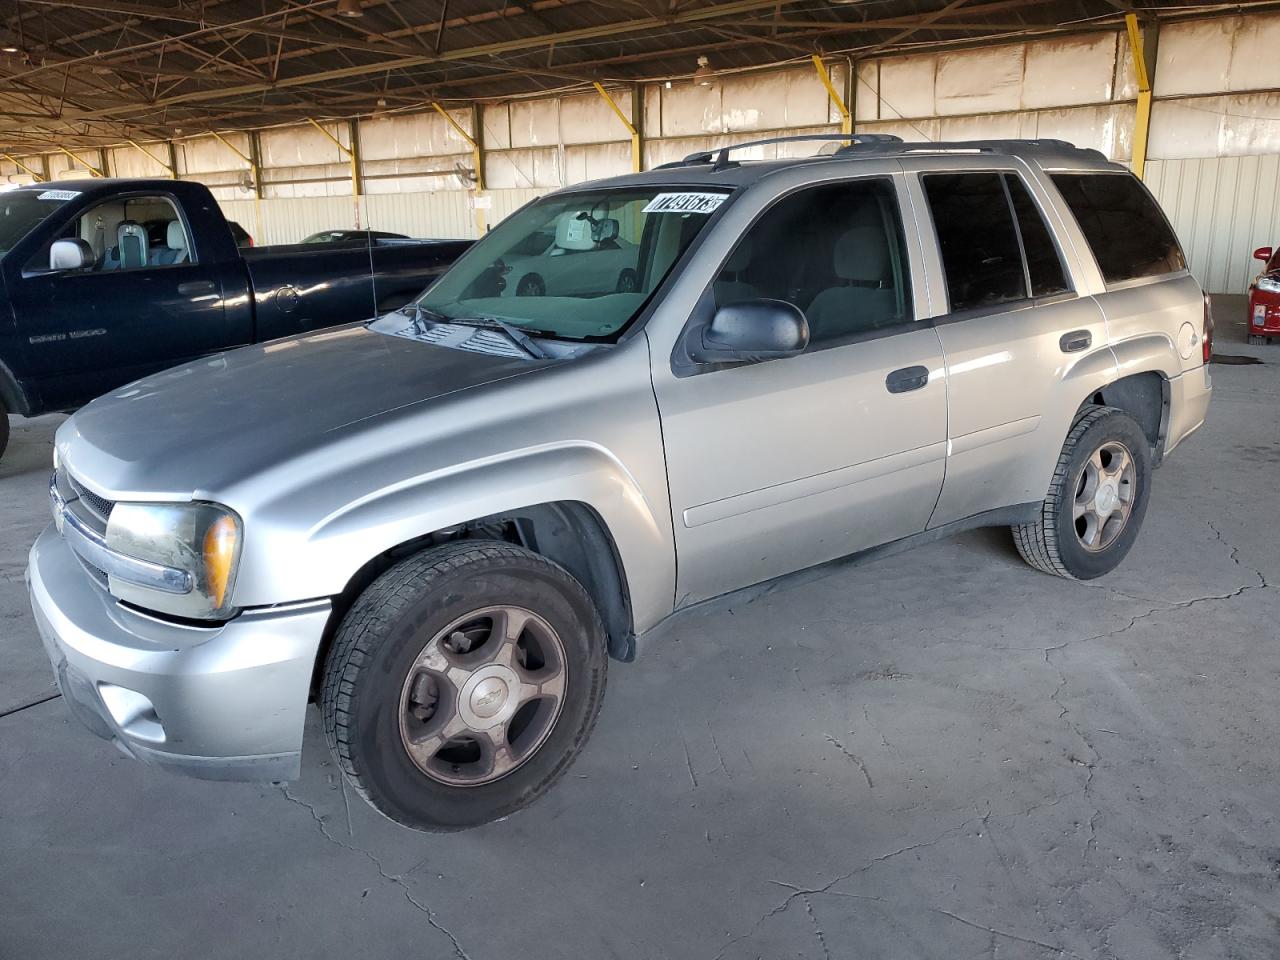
(1264, 298)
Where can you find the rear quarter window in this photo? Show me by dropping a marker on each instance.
(1126, 230)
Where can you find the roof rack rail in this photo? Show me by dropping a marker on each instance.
(1012, 147)
(719, 158)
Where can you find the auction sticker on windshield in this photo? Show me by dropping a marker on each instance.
(684, 203)
(58, 195)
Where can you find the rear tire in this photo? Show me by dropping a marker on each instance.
(1096, 500)
(462, 684)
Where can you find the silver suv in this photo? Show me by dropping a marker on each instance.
(442, 524)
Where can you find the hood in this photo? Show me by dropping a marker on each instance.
(205, 424)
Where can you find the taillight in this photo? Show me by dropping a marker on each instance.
(1206, 334)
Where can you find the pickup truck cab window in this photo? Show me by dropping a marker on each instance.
(575, 266)
(834, 251)
(131, 233)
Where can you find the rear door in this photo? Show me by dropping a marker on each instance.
(777, 465)
(149, 301)
(1012, 320)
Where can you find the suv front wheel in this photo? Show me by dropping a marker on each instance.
(462, 683)
(1096, 500)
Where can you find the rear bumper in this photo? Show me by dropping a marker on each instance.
(1189, 396)
(219, 703)
(1264, 313)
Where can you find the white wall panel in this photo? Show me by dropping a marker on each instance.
(906, 87)
(596, 160)
(201, 155)
(535, 123)
(1222, 209)
(496, 120)
(424, 134)
(131, 162)
(539, 168)
(1061, 73)
(980, 81)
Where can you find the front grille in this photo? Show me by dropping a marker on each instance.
(100, 507)
(97, 573)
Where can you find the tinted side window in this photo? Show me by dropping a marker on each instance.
(1128, 234)
(1044, 266)
(977, 238)
(835, 251)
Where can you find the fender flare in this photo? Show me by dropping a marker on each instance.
(324, 558)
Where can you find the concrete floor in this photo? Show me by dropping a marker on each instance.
(941, 754)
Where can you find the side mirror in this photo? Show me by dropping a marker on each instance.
(1262, 253)
(70, 255)
(752, 330)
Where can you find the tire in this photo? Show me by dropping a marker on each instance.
(1058, 541)
(4, 427)
(628, 281)
(373, 703)
(531, 285)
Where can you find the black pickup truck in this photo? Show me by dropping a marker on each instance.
(105, 281)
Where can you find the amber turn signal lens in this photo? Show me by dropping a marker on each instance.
(220, 542)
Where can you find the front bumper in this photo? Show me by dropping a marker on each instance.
(225, 702)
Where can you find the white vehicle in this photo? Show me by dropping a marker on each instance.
(586, 257)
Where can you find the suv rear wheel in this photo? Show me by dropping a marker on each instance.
(462, 683)
(1096, 500)
(4, 427)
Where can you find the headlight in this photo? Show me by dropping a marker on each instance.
(1268, 284)
(201, 539)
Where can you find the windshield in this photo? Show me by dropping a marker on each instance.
(577, 266)
(21, 210)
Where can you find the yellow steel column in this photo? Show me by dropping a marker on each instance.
(85, 163)
(1142, 118)
(39, 178)
(846, 118)
(476, 159)
(172, 172)
(351, 158)
(637, 161)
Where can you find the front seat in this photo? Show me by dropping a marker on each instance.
(865, 299)
(130, 251)
(729, 286)
(175, 248)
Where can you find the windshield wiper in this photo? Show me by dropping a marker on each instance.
(420, 316)
(513, 332)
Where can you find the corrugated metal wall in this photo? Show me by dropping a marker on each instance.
(1222, 208)
(442, 214)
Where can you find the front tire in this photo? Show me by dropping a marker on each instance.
(462, 684)
(1096, 500)
(4, 427)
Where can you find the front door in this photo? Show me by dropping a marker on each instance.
(146, 303)
(778, 465)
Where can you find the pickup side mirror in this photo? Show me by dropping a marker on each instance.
(1262, 253)
(70, 255)
(752, 330)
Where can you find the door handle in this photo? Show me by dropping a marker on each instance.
(1075, 341)
(196, 286)
(906, 379)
